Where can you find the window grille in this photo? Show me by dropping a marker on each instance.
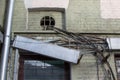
(47, 23)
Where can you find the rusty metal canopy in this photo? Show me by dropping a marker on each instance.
(47, 49)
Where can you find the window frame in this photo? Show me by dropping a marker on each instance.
(38, 57)
(117, 57)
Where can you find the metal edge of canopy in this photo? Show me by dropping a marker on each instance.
(47, 49)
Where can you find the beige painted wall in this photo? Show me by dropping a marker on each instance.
(35, 18)
(82, 16)
(85, 16)
(22, 16)
(2, 10)
(87, 68)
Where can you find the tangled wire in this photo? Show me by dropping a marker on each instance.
(94, 45)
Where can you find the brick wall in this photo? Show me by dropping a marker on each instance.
(85, 16)
(87, 68)
(22, 15)
(35, 18)
(2, 9)
(82, 16)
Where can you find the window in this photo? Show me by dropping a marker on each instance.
(117, 61)
(36, 67)
(47, 23)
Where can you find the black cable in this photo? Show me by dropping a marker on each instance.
(97, 69)
(98, 55)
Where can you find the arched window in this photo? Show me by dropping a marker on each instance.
(47, 23)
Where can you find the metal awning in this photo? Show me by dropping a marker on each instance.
(114, 43)
(47, 49)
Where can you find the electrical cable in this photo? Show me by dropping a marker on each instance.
(99, 53)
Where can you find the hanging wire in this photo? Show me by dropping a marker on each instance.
(94, 45)
(97, 45)
(97, 69)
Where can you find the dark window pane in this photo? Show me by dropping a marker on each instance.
(117, 60)
(43, 70)
(42, 22)
(53, 23)
(47, 17)
(47, 23)
(35, 68)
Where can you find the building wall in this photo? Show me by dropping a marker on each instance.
(35, 18)
(82, 16)
(89, 68)
(2, 11)
(85, 16)
(24, 20)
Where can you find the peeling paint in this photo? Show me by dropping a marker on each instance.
(46, 3)
(110, 9)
